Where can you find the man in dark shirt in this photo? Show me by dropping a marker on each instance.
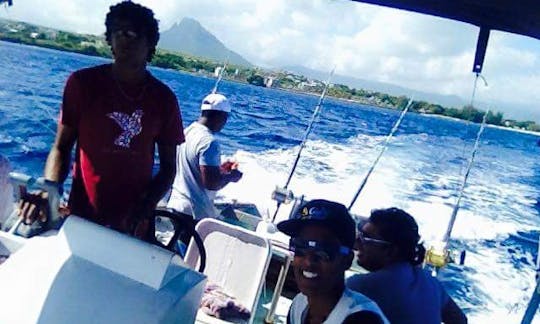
(116, 114)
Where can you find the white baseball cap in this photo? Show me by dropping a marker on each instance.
(216, 101)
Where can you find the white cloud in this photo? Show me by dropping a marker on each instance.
(370, 42)
(512, 73)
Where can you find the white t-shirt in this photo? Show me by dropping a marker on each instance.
(188, 194)
(349, 303)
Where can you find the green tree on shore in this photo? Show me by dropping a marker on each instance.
(95, 45)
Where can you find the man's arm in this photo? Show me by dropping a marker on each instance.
(138, 224)
(59, 158)
(34, 206)
(164, 179)
(213, 179)
(452, 314)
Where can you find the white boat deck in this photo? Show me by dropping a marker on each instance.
(266, 301)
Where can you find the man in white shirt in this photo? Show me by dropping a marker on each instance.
(199, 172)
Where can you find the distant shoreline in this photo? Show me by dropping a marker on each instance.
(523, 131)
(291, 90)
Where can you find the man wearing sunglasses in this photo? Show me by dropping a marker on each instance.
(115, 115)
(322, 237)
(388, 246)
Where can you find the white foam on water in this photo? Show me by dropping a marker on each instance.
(337, 176)
(506, 291)
(433, 218)
(334, 171)
(325, 171)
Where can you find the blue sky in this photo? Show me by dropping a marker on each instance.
(411, 50)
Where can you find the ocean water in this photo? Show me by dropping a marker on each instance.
(421, 171)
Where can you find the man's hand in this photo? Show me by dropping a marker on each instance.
(228, 166)
(215, 177)
(230, 170)
(235, 175)
(33, 206)
(141, 220)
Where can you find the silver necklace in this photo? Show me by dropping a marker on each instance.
(138, 97)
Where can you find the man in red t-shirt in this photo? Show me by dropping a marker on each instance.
(115, 114)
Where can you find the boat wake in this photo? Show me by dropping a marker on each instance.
(486, 225)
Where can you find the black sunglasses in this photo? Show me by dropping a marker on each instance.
(322, 251)
(362, 238)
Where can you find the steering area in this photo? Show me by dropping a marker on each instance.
(184, 230)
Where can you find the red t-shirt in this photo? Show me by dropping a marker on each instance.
(116, 137)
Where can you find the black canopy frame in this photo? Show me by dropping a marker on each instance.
(514, 16)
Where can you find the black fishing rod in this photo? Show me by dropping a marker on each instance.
(383, 149)
(280, 194)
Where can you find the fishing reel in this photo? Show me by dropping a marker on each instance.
(282, 195)
(285, 196)
(439, 256)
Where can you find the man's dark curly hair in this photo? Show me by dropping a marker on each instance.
(142, 19)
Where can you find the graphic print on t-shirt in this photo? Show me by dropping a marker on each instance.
(131, 126)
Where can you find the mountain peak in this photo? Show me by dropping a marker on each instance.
(187, 21)
(190, 37)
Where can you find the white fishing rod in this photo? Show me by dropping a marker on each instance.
(471, 105)
(383, 149)
(439, 255)
(450, 227)
(447, 235)
(220, 76)
(281, 194)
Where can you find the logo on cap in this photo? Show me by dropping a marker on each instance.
(318, 213)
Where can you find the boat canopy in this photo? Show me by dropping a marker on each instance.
(518, 17)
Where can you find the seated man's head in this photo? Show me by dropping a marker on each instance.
(389, 236)
(322, 237)
(215, 109)
(132, 32)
